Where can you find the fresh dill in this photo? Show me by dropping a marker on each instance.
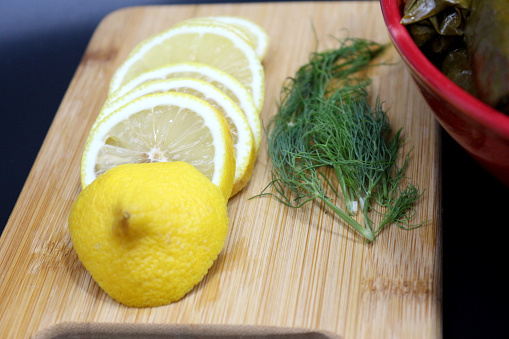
(324, 120)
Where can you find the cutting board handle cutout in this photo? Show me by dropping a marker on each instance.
(173, 331)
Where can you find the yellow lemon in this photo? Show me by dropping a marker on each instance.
(254, 33)
(144, 233)
(243, 141)
(163, 127)
(208, 43)
(220, 79)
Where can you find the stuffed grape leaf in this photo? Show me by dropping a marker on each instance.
(468, 40)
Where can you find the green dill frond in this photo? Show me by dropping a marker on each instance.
(325, 120)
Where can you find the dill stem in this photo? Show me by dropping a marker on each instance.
(349, 197)
(365, 210)
(368, 234)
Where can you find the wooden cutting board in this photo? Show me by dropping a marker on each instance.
(299, 270)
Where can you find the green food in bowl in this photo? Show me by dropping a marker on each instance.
(468, 41)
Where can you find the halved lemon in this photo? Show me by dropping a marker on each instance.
(163, 127)
(255, 34)
(214, 45)
(243, 141)
(225, 82)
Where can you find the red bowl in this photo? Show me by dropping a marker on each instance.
(481, 130)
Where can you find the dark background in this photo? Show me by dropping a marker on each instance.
(41, 45)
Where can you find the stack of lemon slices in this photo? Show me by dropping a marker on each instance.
(192, 93)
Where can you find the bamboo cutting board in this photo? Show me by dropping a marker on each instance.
(283, 271)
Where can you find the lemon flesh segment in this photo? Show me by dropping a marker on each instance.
(223, 81)
(144, 234)
(253, 32)
(243, 141)
(214, 45)
(163, 127)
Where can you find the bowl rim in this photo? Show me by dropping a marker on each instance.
(444, 87)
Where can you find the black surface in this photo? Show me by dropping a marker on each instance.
(41, 45)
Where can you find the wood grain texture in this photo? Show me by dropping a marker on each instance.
(281, 267)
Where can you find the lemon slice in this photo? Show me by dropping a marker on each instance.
(163, 127)
(225, 82)
(210, 20)
(214, 45)
(243, 141)
(254, 33)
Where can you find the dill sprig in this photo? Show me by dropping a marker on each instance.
(324, 120)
